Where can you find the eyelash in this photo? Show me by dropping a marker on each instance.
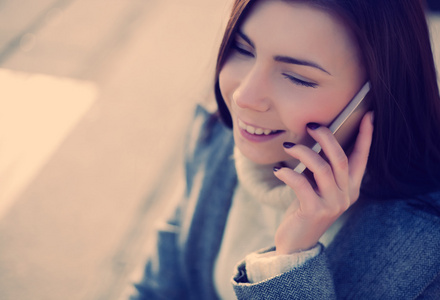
(294, 80)
(299, 81)
(241, 50)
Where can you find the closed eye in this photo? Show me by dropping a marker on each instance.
(300, 82)
(241, 49)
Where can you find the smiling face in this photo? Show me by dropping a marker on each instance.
(290, 64)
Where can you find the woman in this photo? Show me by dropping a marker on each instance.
(251, 227)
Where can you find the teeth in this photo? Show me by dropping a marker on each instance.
(253, 130)
(250, 129)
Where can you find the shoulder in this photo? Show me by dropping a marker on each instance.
(392, 243)
(400, 217)
(397, 218)
(209, 146)
(206, 130)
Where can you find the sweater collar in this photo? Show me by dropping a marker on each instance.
(260, 182)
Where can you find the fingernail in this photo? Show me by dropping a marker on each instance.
(313, 126)
(276, 168)
(288, 145)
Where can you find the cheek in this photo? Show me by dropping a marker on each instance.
(231, 77)
(296, 126)
(310, 109)
(229, 80)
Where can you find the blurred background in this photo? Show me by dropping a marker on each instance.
(95, 96)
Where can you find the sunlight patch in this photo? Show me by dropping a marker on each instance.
(36, 113)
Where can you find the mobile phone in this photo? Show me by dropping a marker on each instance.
(346, 124)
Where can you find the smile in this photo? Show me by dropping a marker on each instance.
(255, 130)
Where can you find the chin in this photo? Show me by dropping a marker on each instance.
(271, 158)
(261, 161)
(259, 157)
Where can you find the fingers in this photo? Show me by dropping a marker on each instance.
(331, 176)
(337, 186)
(321, 171)
(299, 183)
(337, 164)
(346, 174)
(359, 157)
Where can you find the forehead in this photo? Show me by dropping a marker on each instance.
(301, 30)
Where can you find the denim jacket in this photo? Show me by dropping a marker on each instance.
(387, 249)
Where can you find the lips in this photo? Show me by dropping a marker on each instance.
(257, 130)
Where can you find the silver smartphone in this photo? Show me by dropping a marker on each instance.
(346, 124)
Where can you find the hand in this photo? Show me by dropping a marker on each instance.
(336, 187)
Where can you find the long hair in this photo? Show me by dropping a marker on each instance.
(394, 40)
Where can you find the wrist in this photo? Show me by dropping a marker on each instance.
(294, 250)
(264, 265)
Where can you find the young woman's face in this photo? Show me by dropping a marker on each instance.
(290, 64)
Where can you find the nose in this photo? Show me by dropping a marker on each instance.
(253, 91)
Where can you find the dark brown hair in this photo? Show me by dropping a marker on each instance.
(394, 39)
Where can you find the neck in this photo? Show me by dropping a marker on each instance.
(261, 183)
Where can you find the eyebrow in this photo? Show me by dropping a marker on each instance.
(286, 59)
(291, 60)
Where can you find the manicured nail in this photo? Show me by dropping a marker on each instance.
(276, 168)
(288, 145)
(313, 126)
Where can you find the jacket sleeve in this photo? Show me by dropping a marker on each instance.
(162, 273)
(312, 280)
(165, 274)
(432, 291)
